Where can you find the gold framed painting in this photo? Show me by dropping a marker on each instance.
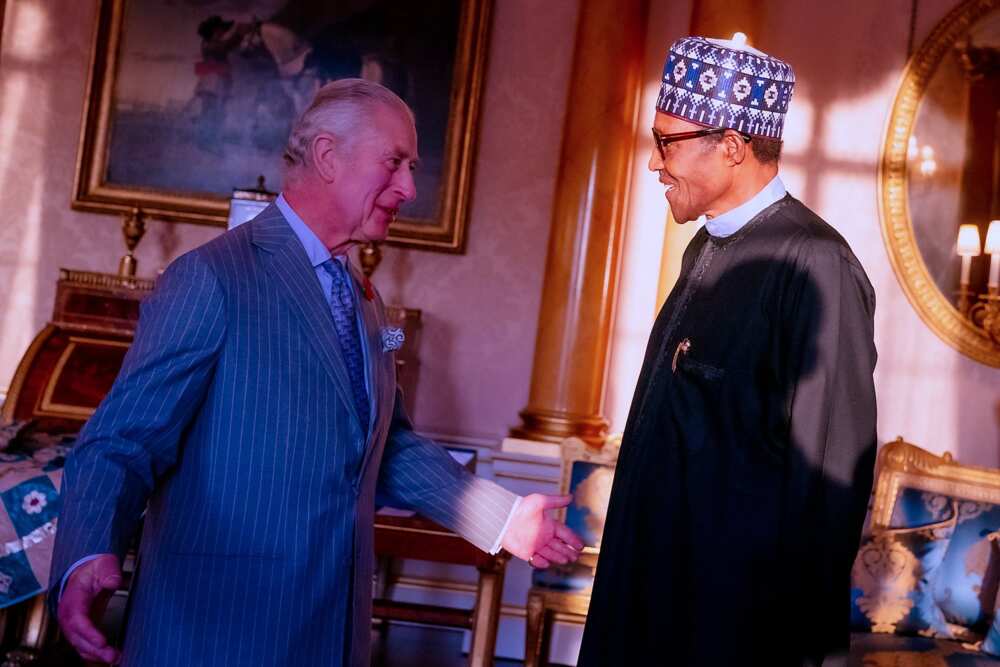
(188, 100)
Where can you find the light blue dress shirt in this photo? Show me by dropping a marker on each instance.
(315, 250)
(732, 221)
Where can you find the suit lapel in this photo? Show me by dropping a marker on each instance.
(381, 371)
(286, 262)
(372, 323)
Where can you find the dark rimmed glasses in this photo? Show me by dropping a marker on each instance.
(663, 140)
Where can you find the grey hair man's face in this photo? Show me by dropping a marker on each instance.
(376, 174)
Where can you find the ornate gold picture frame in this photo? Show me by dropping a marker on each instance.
(182, 106)
(933, 307)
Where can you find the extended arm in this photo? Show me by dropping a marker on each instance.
(419, 474)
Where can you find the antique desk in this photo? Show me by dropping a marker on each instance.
(62, 377)
(421, 539)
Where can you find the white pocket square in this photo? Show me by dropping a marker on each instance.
(392, 338)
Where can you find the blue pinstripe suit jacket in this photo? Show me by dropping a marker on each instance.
(232, 421)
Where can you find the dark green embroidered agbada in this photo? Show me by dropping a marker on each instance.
(747, 459)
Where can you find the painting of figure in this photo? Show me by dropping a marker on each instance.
(193, 98)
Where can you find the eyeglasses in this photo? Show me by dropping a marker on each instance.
(663, 140)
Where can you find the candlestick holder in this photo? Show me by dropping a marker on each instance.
(965, 298)
(985, 314)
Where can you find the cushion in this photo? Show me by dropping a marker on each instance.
(991, 644)
(590, 485)
(971, 558)
(572, 578)
(893, 580)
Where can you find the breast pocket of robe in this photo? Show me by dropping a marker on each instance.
(697, 392)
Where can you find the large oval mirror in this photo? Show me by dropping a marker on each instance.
(940, 180)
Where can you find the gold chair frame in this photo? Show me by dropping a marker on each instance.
(903, 465)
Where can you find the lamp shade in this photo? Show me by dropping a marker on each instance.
(968, 239)
(993, 238)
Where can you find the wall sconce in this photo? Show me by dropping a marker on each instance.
(985, 314)
(968, 246)
(993, 248)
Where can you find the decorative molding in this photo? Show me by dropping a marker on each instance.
(931, 305)
(533, 448)
(104, 280)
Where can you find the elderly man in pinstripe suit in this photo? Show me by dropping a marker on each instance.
(255, 419)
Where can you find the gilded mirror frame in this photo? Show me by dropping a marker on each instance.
(933, 307)
(445, 232)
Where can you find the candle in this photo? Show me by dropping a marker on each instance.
(993, 248)
(968, 247)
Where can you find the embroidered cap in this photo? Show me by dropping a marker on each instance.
(726, 83)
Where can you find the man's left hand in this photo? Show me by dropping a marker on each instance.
(538, 538)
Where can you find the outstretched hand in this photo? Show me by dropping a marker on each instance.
(536, 537)
(86, 594)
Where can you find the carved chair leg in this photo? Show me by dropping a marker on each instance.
(534, 630)
(37, 624)
(548, 622)
(486, 617)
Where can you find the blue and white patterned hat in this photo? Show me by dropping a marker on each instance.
(725, 83)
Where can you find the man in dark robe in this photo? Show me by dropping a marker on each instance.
(747, 460)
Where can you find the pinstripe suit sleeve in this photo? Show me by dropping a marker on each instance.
(418, 474)
(132, 439)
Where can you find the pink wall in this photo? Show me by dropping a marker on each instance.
(480, 309)
(849, 57)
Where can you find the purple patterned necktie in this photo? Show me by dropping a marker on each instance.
(345, 322)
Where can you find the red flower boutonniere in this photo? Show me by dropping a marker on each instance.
(369, 289)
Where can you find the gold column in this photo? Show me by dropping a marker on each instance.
(581, 274)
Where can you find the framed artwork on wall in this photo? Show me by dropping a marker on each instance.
(189, 99)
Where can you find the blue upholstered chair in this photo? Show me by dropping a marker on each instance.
(925, 579)
(564, 591)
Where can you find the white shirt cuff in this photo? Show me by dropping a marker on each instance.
(496, 545)
(72, 568)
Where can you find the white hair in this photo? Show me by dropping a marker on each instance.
(338, 109)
